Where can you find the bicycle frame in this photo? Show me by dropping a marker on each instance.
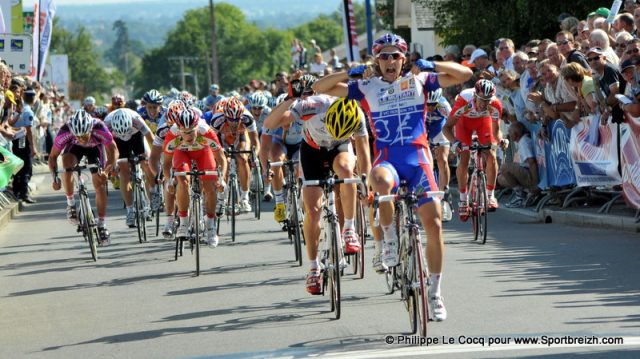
(86, 220)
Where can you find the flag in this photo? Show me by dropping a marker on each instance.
(36, 41)
(350, 34)
(3, 28)
(47, 12)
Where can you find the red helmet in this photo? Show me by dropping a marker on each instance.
(117, 100)
(233, 109)
(188, 118)
(174, 110)
(220, 105)
(485, 89)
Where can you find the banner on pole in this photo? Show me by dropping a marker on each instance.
(350, 33)
(47, 12)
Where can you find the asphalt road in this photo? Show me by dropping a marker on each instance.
(529, 280)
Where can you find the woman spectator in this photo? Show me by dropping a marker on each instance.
(582, 83)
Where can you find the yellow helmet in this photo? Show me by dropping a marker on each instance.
(342, 118)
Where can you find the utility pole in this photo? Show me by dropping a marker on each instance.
(214, 42)
(183, 85)
(182, 60)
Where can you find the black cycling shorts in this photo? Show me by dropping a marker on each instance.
(317, 163)
(94, 155)
(133, 147)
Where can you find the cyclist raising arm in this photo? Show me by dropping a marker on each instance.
(84, 136)
(396, 105)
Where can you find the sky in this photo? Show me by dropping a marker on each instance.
(84, 2)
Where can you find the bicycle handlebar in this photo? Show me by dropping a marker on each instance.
(394, 197)
(282, 163)
(82, 167)
(196, 173)
(331, 182)
(134, 159)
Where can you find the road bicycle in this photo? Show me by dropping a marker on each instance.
(257, 183)
(477, 185)
(293, 221)
(196, 218)
(411, 275)
(157, 202)
(86, 218)
(331, 252)
(233, 188)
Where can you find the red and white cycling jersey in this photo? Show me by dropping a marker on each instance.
(205, 137)
(465, 107)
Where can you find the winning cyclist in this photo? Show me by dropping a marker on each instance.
(237, 129)
(328, 126)
(192, 139)
(128, 129)
(396, 107)
(475, 110)
(438, 110)
(84, 136)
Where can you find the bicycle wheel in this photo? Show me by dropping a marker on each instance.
(196, 218)
(138, 203)
(294, 228)
(257, 190)
(483, 202)
(420, 283)
(473, 204)
(89, 226)
(176, 221)
(81, 220)
(334, 272)
(234, 200)
(361, 231)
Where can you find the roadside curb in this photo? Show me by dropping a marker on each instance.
(572, 218)
(10, 211)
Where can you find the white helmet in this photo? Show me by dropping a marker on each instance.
(121, 122)
(81, 123)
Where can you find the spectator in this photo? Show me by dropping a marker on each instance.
(467, 51)
(281, 83)
(315, 49)
(542, 49)
(622, 38)
(506, 51)
(610, 83)
(624, 22)
(554, 55)
(24, 147)
(569, 24)
(480, 62)
(295, 53)
(335, 60)
(523, 175)
(510, 81)
(581, 82)
(558, 99)
(452, 53)
(89, 105)
(318, 65)
(636, 21)
(627, 70)
(214, 90)
(564, 40)
(302, 58)
(599, 38)
(117, 101)
(632, 50)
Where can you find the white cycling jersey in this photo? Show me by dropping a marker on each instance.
(137, 122)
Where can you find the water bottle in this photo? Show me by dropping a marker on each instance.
(22, 142)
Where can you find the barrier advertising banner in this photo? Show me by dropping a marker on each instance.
(16, 50)
(594, 153)
(630, 157)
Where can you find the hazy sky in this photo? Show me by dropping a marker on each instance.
(85, 2)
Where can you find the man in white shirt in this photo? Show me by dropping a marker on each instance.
(522, 173)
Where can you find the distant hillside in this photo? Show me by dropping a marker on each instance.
(149, 21)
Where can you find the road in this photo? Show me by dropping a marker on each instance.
(529, 280)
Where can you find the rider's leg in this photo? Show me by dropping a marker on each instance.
(69, 160)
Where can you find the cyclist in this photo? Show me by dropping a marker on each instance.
(152, 112)
(128, 129)
(84, 136)
(475, 110)
(396, 107)
(117, 101)
(237, 129)
(286, 145)
(191, 139)
(328, 126)
(257, 103)
(438, 110)
(173, 111)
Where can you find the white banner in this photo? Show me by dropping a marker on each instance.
(57, 73)
(350, 34)
(16, 50)
(594, 152)
(48, 10)
(36, 40)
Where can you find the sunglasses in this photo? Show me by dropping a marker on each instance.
(632, 51)
(432, 104)
(503, 48)
(563, 42)
(256, 108)
(388, 55)
(592, 59)
(84, 138)
(187, 132)
(464, 56)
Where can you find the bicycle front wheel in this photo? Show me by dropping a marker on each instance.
(473, 203)
(234, 200)
(89, 229)
(334, 273)
(294, 227)
(195, 223)
(361, 225)
(483, 203)
(420, 285)
(140, 218)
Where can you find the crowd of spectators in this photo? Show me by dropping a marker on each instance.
(30, 116)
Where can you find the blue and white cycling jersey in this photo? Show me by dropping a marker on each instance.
(436, 120)
(153, 124)
(260, 120)
(293, 136)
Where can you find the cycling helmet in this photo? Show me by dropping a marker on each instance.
(307, 81)
(153, 97)
(187, 118)
(132, 105)
(101, 112)
(80, 123)
(281, 98)
(257, 99)
(121, 122)
(233, 109)
(434, 96)
(342, 118)
(117, 100)
(485, 89)
(220, 105)
(389, 39)
(173, 110)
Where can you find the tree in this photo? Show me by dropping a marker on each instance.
(87, 76)
(118, 54)
(481, 22)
